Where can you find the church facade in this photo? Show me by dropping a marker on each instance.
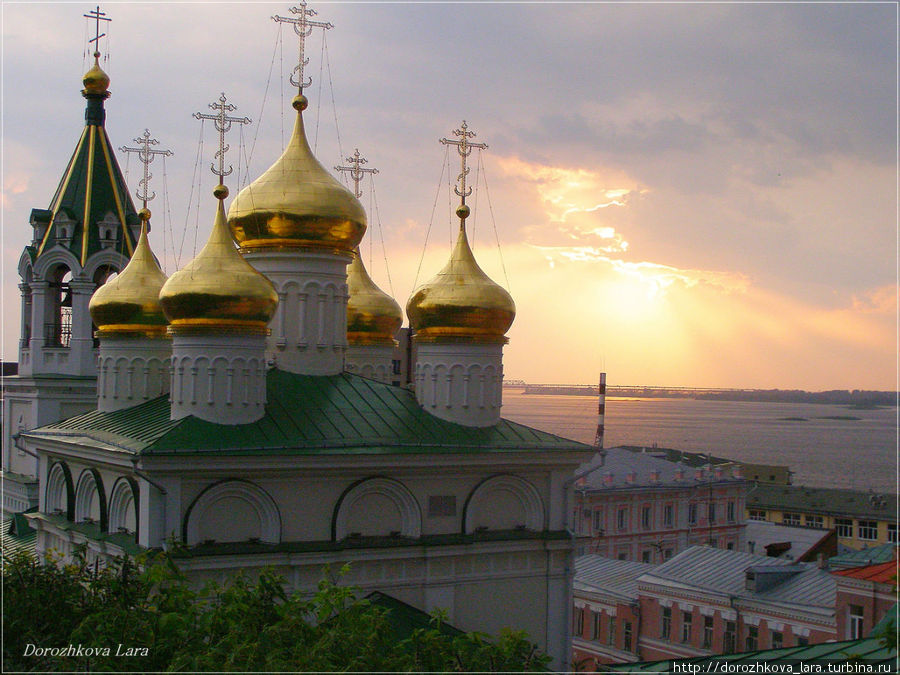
(240, 413)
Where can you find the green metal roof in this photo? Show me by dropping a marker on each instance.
(870, 650)
(309, 415)
(92, 186)
(866, 556)
(17, 535)
(403, 619)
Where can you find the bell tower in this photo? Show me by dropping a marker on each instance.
(87, 233)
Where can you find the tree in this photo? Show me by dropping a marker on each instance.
(145, 616)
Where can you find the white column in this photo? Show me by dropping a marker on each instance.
(82, 359)
(125, 364)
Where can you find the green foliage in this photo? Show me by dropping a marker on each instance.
(244, 625)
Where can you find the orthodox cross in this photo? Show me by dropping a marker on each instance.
(98, 16)
(223, 124)
(303, 27)
(464, 147)
(146, 154)
(356, 171)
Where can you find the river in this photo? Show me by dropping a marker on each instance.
(821, 446)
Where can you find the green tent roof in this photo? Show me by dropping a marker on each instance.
(310, 415)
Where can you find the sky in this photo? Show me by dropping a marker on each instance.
(683, 194)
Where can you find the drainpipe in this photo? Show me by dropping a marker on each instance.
(140, 474)
(16, 438)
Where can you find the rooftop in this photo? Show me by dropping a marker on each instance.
(722, 571)
(827, 501)
(615, 577)
(883, 573)
(309, 415)
(622, 468)
(798, 541)
(866, 556)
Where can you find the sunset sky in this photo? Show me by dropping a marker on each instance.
(684, 194)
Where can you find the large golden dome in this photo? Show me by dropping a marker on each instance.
(218, 290)
(129, 303)
(461, 303)
(297, 203)
(373, 317)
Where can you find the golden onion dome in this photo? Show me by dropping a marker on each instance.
(218, 290)
(297, 203)
(129, 303)
(373, 317)
(461, 303)
(95, 80)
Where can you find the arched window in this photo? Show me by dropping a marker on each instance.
(58, 318)
(90, 499)
(504, 502)
(59, 497)
(232, 510)
(123, 507)
(377, 507)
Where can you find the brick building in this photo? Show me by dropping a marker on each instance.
(639, 507)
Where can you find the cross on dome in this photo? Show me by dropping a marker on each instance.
(146, 154)
(356, 171)
(303, 27)
(223, 124)
(464, 148)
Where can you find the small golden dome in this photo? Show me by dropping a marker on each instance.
(129, 303)
(461, 303)
(95, 80)
(373, 317)
(218, 290)
(297, 204)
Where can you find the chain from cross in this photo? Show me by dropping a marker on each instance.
(303, 27)
(464, 148)
(223, 124)
(356, 171)
(146, 154)
(99, 16)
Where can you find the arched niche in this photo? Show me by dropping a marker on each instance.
(230, 511)
(503, 502)
(123, 507)
(59, 496)
(376, 507)
(90, 499)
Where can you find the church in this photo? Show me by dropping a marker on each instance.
(241, 412)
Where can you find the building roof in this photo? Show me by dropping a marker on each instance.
(866, 556)
(691, 459)
(17, 535)
(798, 541)
(871, 650)
(882, 573)
(614, 577)
(722, 571)
(827, 501)
(612, 470)
(310, 415)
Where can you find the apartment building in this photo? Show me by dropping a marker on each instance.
(643, 508)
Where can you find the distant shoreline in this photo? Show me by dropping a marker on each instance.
(858, 399)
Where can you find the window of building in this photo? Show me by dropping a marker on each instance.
(892, 533)
(730, 638)
(668, 515)
(598, 519)
(692, 514)
(843, 527)
(621, 518)
(665, 629)
(802, 641)
(623, 555)
(712, 513)
(595, 625)
(868, 529)
(578, 621)
(713, 542)
(815, 521)
(855, 624)
(686, 619)
(729, 512)
(395, 366)
(645, 517)
(791, 519)
(646, 556)
(756, 514)
(668, 553)
(777, 639)
(611, 636)
(626, 636)
(730, 545)
(752, 639)
(707, 632)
